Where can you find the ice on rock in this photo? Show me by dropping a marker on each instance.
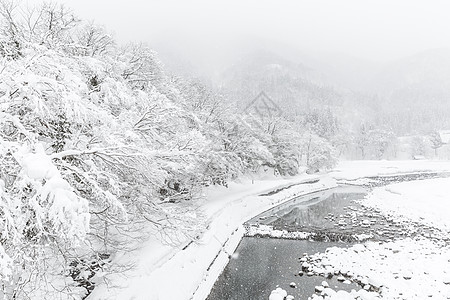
(407, 275)
(375, 281)
(366, 223)
(364, 281)
(328, 292)
(275, 296)
(278, 294)
(358, 248)
(343, 295)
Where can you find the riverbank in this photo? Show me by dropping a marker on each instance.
(415, 267)
(188, 271)
(353, 171)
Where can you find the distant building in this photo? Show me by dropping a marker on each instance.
(445, 136)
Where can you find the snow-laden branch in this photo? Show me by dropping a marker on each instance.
(132, 152)
(18, 124)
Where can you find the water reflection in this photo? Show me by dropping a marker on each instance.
(311, 211)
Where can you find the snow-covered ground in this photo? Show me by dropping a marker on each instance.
(167, 272)
(403, 269)
(425, 201)
(350, 170)
(408, 268)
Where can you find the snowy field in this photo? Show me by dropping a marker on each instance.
(427, 201)
(166, 272)
(351, 170)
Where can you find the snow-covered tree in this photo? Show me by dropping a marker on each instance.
(373, 142)
(361, 140)
(320, 154)
(379, 141)
(436, 141)
(286, 146)
(418, 146)
(97, 142)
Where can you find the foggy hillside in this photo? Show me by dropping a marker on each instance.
(382, 93)
(416, 90)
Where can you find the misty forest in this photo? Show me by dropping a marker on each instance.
(128, 172)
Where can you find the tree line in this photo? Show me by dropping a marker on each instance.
(99, 147)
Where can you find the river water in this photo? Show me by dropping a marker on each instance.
(262, 264)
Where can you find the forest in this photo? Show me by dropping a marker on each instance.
(98, 144)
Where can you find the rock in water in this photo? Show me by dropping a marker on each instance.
(366, 223)
(275, 296)
(407, 275)
(278, 294)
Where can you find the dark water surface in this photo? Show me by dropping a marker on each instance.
(264, 264)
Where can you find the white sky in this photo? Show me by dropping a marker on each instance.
(374, 29)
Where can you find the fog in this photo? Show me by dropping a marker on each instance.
(368, 61)
(375, 30)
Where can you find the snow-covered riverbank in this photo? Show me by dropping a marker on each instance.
(351, 170)
(401, 269)
(178, 272)
(410, 268)
(188, 271)
(426, 201)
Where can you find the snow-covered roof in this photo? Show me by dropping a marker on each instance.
(445, 136)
